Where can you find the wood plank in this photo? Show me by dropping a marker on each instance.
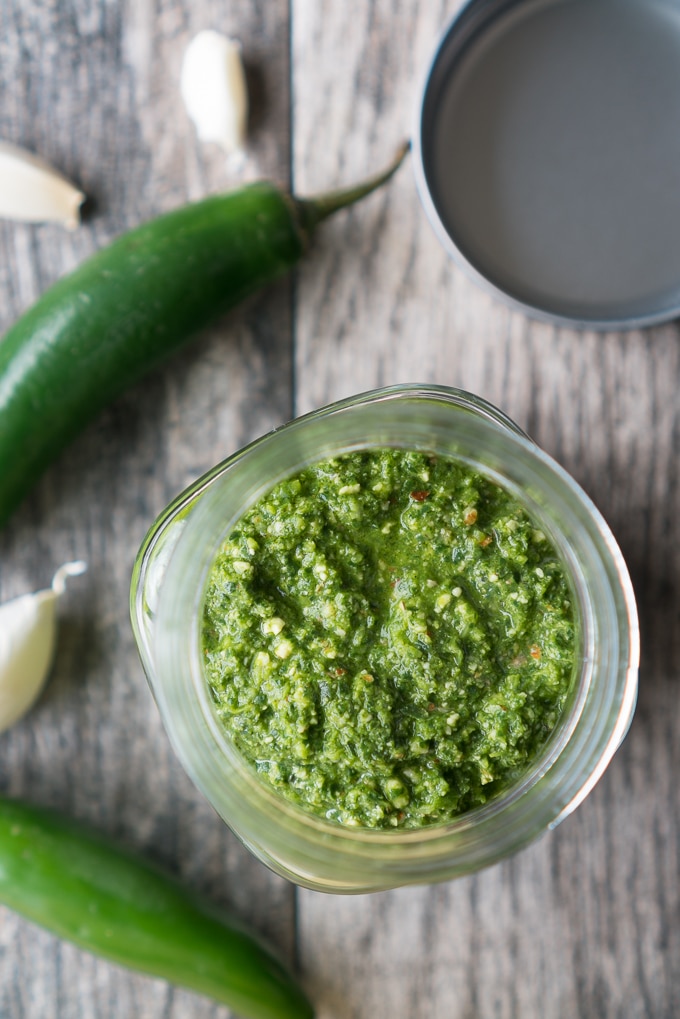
(94, 89)
(586, 921)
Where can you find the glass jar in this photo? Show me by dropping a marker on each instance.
(167, 593)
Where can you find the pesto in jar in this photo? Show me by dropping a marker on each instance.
(389, 638)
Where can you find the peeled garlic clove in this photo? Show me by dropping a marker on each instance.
(28, 633)
(213, 87)
(33, 192)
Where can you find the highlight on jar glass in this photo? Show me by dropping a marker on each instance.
(392, 642)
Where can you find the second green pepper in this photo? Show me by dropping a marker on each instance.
(72, 881)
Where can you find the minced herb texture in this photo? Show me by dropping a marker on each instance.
(389, 638)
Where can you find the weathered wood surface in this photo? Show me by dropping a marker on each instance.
(94, 88)
(586, 922)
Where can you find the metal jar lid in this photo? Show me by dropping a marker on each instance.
(547, 155)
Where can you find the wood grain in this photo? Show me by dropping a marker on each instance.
(587, 921)
(94, 88)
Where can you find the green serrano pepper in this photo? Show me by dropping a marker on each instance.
(73, 882)
(123, 310)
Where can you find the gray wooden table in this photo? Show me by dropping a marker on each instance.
(586, 923)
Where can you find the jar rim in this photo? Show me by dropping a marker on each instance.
(476, 432)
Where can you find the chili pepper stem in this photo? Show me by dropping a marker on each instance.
(312, 211)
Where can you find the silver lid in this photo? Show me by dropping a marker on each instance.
(547, 155)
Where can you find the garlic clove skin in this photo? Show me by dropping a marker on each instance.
(28, 633)
(213, 87)
(32, 191)
(27, 642)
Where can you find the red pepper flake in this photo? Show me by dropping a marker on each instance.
(470, 517)
(430, 706)
(340, 672)
(419, 495)
(535, 651)
(486, 541)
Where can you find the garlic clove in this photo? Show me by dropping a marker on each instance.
(28, 633)
(27, 641)
(33, 192)
(213, 87)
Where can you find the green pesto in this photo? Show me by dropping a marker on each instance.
(389, 638)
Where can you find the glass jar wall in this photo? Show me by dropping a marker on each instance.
(167, 596)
